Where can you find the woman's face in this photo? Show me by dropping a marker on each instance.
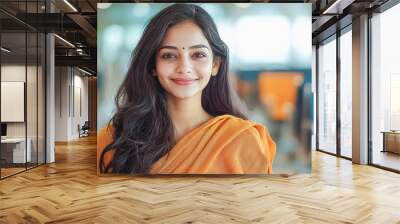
(184, 61)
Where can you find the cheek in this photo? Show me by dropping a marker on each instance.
(164, 69)
(204, 69)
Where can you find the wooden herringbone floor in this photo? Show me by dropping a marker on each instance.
(70, 192)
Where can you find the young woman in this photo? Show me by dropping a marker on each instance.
(176, 112)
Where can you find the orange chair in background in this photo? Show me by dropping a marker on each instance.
(278, 92)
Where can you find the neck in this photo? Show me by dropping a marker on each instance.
(186, 114)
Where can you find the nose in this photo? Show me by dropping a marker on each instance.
(184, 66)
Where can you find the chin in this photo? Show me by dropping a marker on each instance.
(183, 94)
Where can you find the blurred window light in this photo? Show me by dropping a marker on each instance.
(103, 5)
(132, 36)
(242, 5)
(227, 33)
(113, 39)
(215, 10)
(263, 39)
(389, 36)
(301, 40)
(141, 9)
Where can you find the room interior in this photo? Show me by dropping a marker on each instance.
(49, 91)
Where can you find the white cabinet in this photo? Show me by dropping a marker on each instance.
(17, 147)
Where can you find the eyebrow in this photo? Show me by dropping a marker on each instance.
(191, 47)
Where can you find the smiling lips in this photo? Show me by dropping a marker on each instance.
(183, 82)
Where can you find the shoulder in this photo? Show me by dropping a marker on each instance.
(254, 136)
(104, 138)
(232, 122)
(106, 130)
(250, 147)
(244, 129)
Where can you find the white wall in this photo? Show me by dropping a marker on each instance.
(16, 73)
(79, 115)
(71, 93)
(61, 103)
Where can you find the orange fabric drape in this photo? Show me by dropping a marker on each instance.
(222, 145)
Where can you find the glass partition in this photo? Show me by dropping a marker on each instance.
(346, 94)
(13, 96)
(327, 97)
(22, 91)
(385, 89)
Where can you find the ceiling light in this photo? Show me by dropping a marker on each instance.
(5, 49)
(70, 5)
(337, 7)
(65, 41)
(84, 71)
(329, 9)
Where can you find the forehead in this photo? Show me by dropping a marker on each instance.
(184, 34)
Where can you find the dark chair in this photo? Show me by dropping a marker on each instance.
(84, 130)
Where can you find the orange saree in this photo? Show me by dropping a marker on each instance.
(222, 145)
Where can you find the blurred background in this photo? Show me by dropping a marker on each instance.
(270, 65)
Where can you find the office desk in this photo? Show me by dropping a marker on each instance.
(13, 150)
(391, 141)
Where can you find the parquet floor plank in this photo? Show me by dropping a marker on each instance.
(69, 191)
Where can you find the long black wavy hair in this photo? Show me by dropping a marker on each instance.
(142, 129)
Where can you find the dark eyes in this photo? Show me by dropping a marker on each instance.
(199, 55)
(168, 56)
(195, 55)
